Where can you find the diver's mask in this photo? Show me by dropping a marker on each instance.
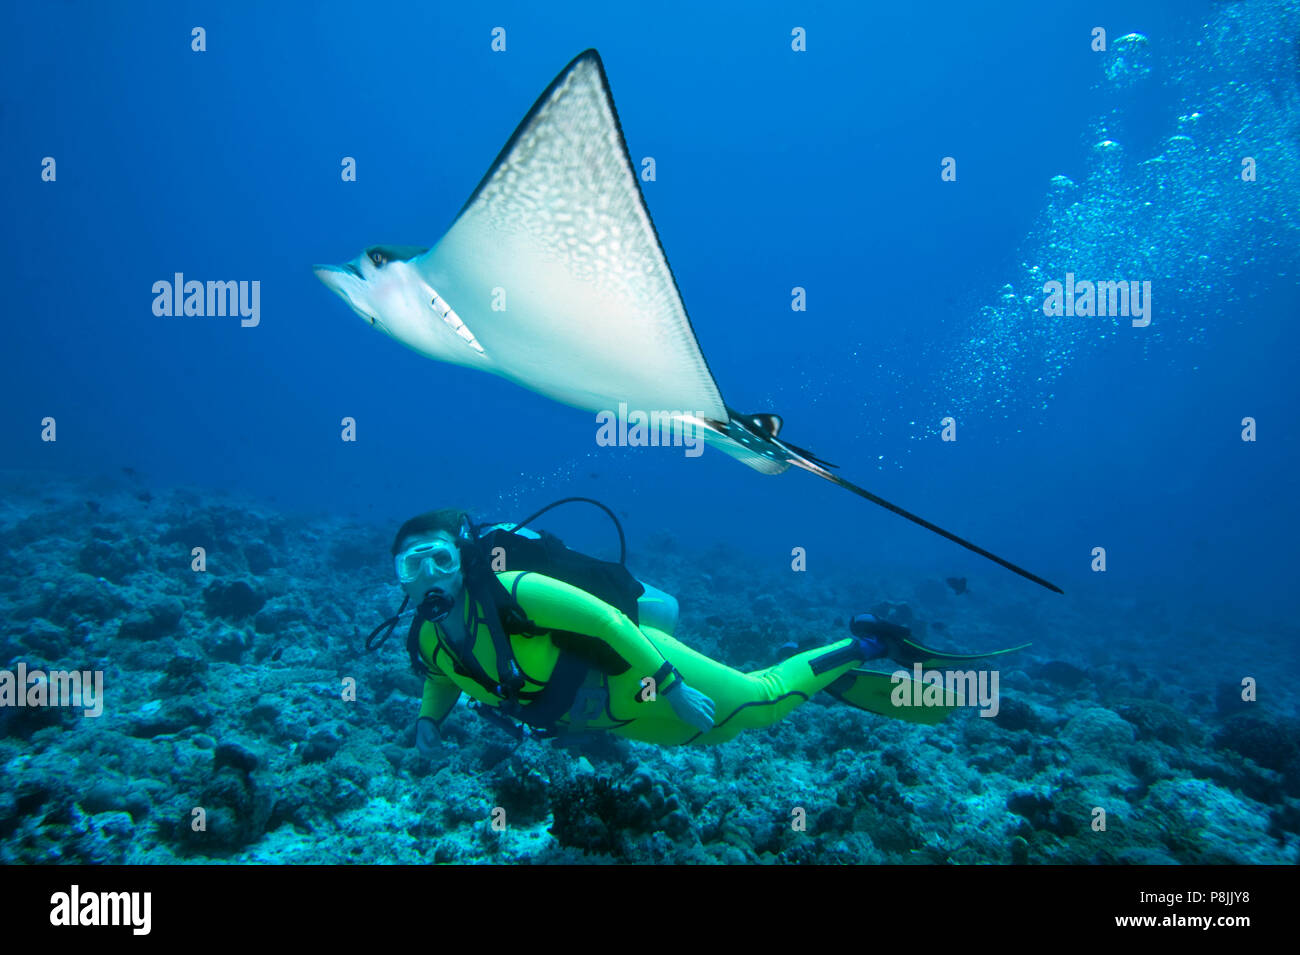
(431, 559)
(422, 566)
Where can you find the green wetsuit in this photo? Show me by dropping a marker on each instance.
(618, 656)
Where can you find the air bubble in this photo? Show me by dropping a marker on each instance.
(1129, 61)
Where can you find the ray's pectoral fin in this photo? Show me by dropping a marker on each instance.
(753, 439)
(555, 270)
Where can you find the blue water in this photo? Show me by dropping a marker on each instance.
(775, 169)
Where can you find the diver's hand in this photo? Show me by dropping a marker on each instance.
(427, 740)
(690, 705)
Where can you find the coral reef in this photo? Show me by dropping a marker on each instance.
(229, 733)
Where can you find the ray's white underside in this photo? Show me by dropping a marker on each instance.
(556, 271)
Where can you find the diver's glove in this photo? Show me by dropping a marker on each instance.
(427, 740)
(690, 705)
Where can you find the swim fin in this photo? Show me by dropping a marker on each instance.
(901, 648)
(876, 692)
(909, 653)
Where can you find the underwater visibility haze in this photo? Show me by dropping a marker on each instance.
(1025, 277)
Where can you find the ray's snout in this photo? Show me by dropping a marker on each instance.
(350, 284)
(330, 274)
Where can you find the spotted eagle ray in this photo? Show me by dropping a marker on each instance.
(594, 318)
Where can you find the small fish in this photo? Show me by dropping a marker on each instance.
(958, 584)
(280, 650)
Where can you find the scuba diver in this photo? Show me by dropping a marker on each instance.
(563, 643)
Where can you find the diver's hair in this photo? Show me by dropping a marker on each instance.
(452, 520)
